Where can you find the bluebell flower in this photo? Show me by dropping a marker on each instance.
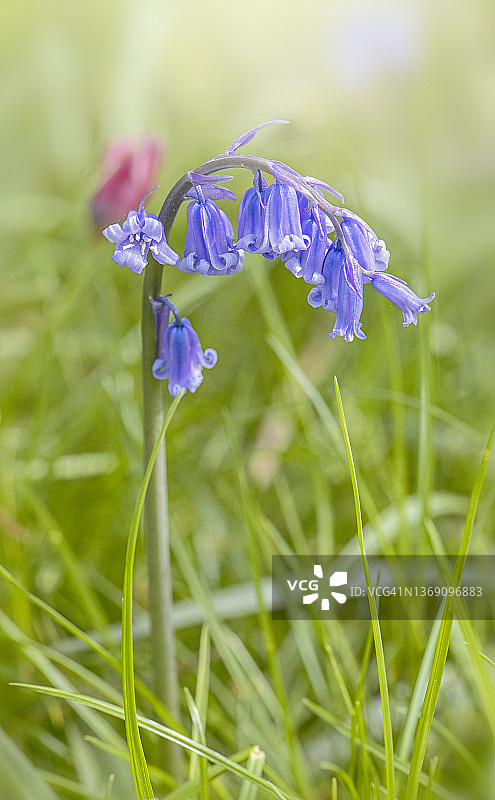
(251, 220)
(326, 292)
(337, 293)
(398, 292)
(308, 264)
(179, 357)
(270, 220)
(369, 251)
(349, 308)
(209, 246)
(140, 233)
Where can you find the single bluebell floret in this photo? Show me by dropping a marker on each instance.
(369, 251)
(140, 233)
(325, 294)
(251, 219)
(349, 308)
(270, 220)
(398, 292)
(209, 246)
(308, 264)
(179, 357)
(282, 229)
(336, 293)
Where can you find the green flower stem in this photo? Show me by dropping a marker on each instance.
(163, 650)
(173, 201)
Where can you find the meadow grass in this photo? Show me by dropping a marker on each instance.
(263, 459)
(279, 708)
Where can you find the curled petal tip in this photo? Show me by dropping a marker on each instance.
(141, 204)
(249, 135)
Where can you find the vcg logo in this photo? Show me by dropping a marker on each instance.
(313, 587)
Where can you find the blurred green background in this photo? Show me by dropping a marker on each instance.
(390, 102)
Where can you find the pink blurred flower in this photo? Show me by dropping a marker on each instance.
(129, 169)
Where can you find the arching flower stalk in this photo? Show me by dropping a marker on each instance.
(328, 246)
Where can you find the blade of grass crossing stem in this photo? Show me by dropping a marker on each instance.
(142, 782)
(375, 624)
(198, 734)
(433, 689)
(166, 733)
(201, 695)
(255, 764)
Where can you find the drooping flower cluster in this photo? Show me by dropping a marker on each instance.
(329, 247)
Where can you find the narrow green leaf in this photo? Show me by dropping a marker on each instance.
(377, 636)
(198, 735)
(90, 642)
(343, 777)
(256, 761)
(139, 766)
(374, 749)
(165, 733)
(201, 697)
(443, 642)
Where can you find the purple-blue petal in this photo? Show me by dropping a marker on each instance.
(308, 263)
(132, 257)
(282, 229)
(249, 135)
(163, 253)
(153, 228)
(316, 182)
(133, 223)
(349, 308)
(114, 233)
(250, 224)
(326, 293)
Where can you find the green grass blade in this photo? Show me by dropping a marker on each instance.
(377, 636)
(89, 641)
(18, 777)
(433, 689)
(374, 749)
(256, 761)
(343, 777)
(199, 736)
(142, 781)
(480, 675)
(414, 707)
(275, 668)
(200, 705)
(165, 733)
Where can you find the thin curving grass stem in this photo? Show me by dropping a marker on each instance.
(375, 622)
